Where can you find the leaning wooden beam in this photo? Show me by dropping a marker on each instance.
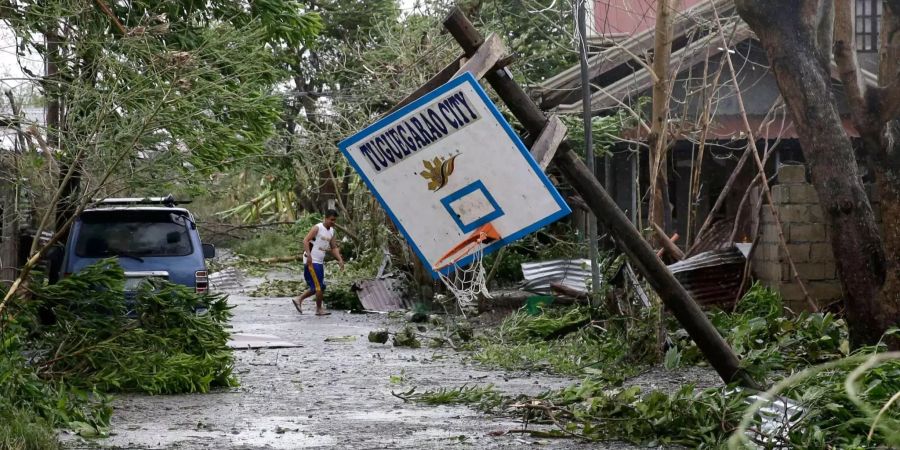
(544, 148)
(487, 55)
(683, 307)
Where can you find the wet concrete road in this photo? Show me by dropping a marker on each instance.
(325, 394)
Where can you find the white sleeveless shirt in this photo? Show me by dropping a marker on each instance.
(321, 244)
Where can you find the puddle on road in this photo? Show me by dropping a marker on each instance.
(418, 415)
(279, 433)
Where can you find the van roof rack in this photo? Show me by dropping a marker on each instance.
(168, 200)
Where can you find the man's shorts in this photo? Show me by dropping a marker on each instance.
(314, 274)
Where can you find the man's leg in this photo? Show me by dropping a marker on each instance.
(320, 297)
(298, 301)
(319, 274)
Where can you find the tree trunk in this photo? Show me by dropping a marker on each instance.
(658, 138)
(797, 40)
(9, 224)
(887, 171)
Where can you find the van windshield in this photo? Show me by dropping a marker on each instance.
(133, 234)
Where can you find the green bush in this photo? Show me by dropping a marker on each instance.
(174, 342)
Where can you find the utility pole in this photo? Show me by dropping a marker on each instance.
(588, 144)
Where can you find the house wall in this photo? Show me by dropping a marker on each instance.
(808, 241)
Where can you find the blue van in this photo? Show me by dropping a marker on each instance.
(151, 237)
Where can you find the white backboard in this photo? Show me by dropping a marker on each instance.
(448, 163)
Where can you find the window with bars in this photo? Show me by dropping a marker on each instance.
(868, 24)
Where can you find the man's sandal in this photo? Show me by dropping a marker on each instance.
(298, 305)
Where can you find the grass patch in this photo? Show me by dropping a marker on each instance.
(271, 244)
(23, 430)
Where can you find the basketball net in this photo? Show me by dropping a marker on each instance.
(468, 283)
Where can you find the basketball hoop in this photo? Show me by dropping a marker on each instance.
(468, 283)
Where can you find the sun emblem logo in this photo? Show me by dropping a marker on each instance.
(438, 171)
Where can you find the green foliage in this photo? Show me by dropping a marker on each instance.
(688, 417)
(182, 92)
(540, 31)
(23, 430)
(605, 132)
(174, 342)
(485, 397)
(524, 328)
(31, 406)
(567, 341)
(270, 244)
(767, 340)
(166, 348)
(833, 420)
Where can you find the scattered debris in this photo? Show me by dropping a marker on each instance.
(230, 279)
(463, 332)
(712, 278)
(379, 336)
(381, 294)
(340, 339)
(279, 288)
(416, 317)
(406, 338)
(241, 341)
(571, 273)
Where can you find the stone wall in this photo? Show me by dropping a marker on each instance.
(808, 241)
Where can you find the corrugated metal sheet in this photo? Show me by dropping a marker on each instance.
(572, 273)
(712, 278)
(227, 280)
(381, 294)
(716, 237)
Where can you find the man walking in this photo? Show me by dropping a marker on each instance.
(316, 244)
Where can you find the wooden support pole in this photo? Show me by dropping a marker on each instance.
(544, 148)
(487, 56)
(676, 298)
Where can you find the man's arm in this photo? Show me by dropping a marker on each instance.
(336, 251)
(309, 237)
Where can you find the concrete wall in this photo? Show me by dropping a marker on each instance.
(808, 241)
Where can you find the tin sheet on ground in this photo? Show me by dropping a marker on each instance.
(241, 341)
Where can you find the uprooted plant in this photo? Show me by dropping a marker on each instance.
(85, 335)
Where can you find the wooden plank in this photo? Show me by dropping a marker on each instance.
(668, 243)
(684, 308)
(446, 74)
(485, 58)
(544, 148)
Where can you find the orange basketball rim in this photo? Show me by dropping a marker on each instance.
(485, 234)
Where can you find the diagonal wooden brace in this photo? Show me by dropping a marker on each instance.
(544, 148)
(485, 58)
